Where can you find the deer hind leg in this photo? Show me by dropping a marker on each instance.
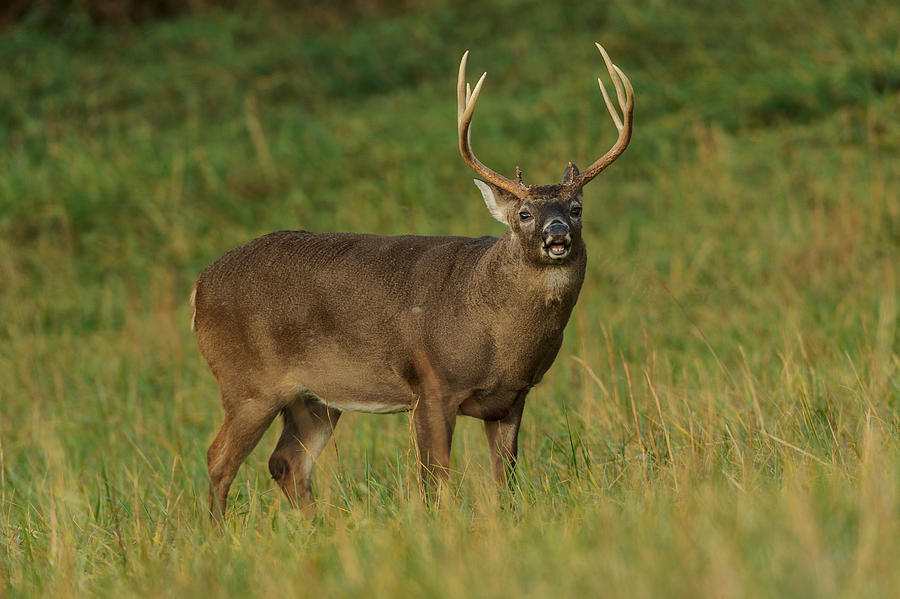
(246, 419)
(308, 425)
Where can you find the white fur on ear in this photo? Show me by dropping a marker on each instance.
(491, 201)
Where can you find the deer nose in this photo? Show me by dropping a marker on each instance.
(556, 228)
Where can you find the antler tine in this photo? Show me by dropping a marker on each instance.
(625, 97)
(462, 88)
(612, 74)
(466, 97)
(616, 82)
(609, 106)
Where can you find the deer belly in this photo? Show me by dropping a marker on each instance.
(368, 407)
(352, 389)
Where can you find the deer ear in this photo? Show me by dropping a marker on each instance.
(570, 173)
(491, 196)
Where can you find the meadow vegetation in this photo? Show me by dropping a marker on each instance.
(723, 419)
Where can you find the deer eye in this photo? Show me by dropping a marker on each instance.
(524, 215)
(575, 211)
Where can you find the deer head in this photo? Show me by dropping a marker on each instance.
(545, 220)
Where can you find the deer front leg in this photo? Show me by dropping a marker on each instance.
(503, 441)
(434, 424)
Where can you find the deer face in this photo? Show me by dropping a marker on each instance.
(546, 221)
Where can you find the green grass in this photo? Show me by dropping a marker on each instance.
(723, 419)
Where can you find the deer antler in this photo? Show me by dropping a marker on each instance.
(625, 96)
(465, 107)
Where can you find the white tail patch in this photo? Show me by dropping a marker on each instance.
(193, 301)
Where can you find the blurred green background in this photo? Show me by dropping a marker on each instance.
(722, 420)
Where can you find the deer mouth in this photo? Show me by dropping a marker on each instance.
(557, 249)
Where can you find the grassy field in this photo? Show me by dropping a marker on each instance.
(723, 419)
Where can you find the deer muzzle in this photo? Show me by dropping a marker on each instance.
(557, 240)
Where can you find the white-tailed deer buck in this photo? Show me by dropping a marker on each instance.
(310, 325)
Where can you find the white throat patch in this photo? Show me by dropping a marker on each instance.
(555, 282)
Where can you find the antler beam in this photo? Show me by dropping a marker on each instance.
(625, 97)
(465, 108)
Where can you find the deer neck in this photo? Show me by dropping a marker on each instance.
(508, 282)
